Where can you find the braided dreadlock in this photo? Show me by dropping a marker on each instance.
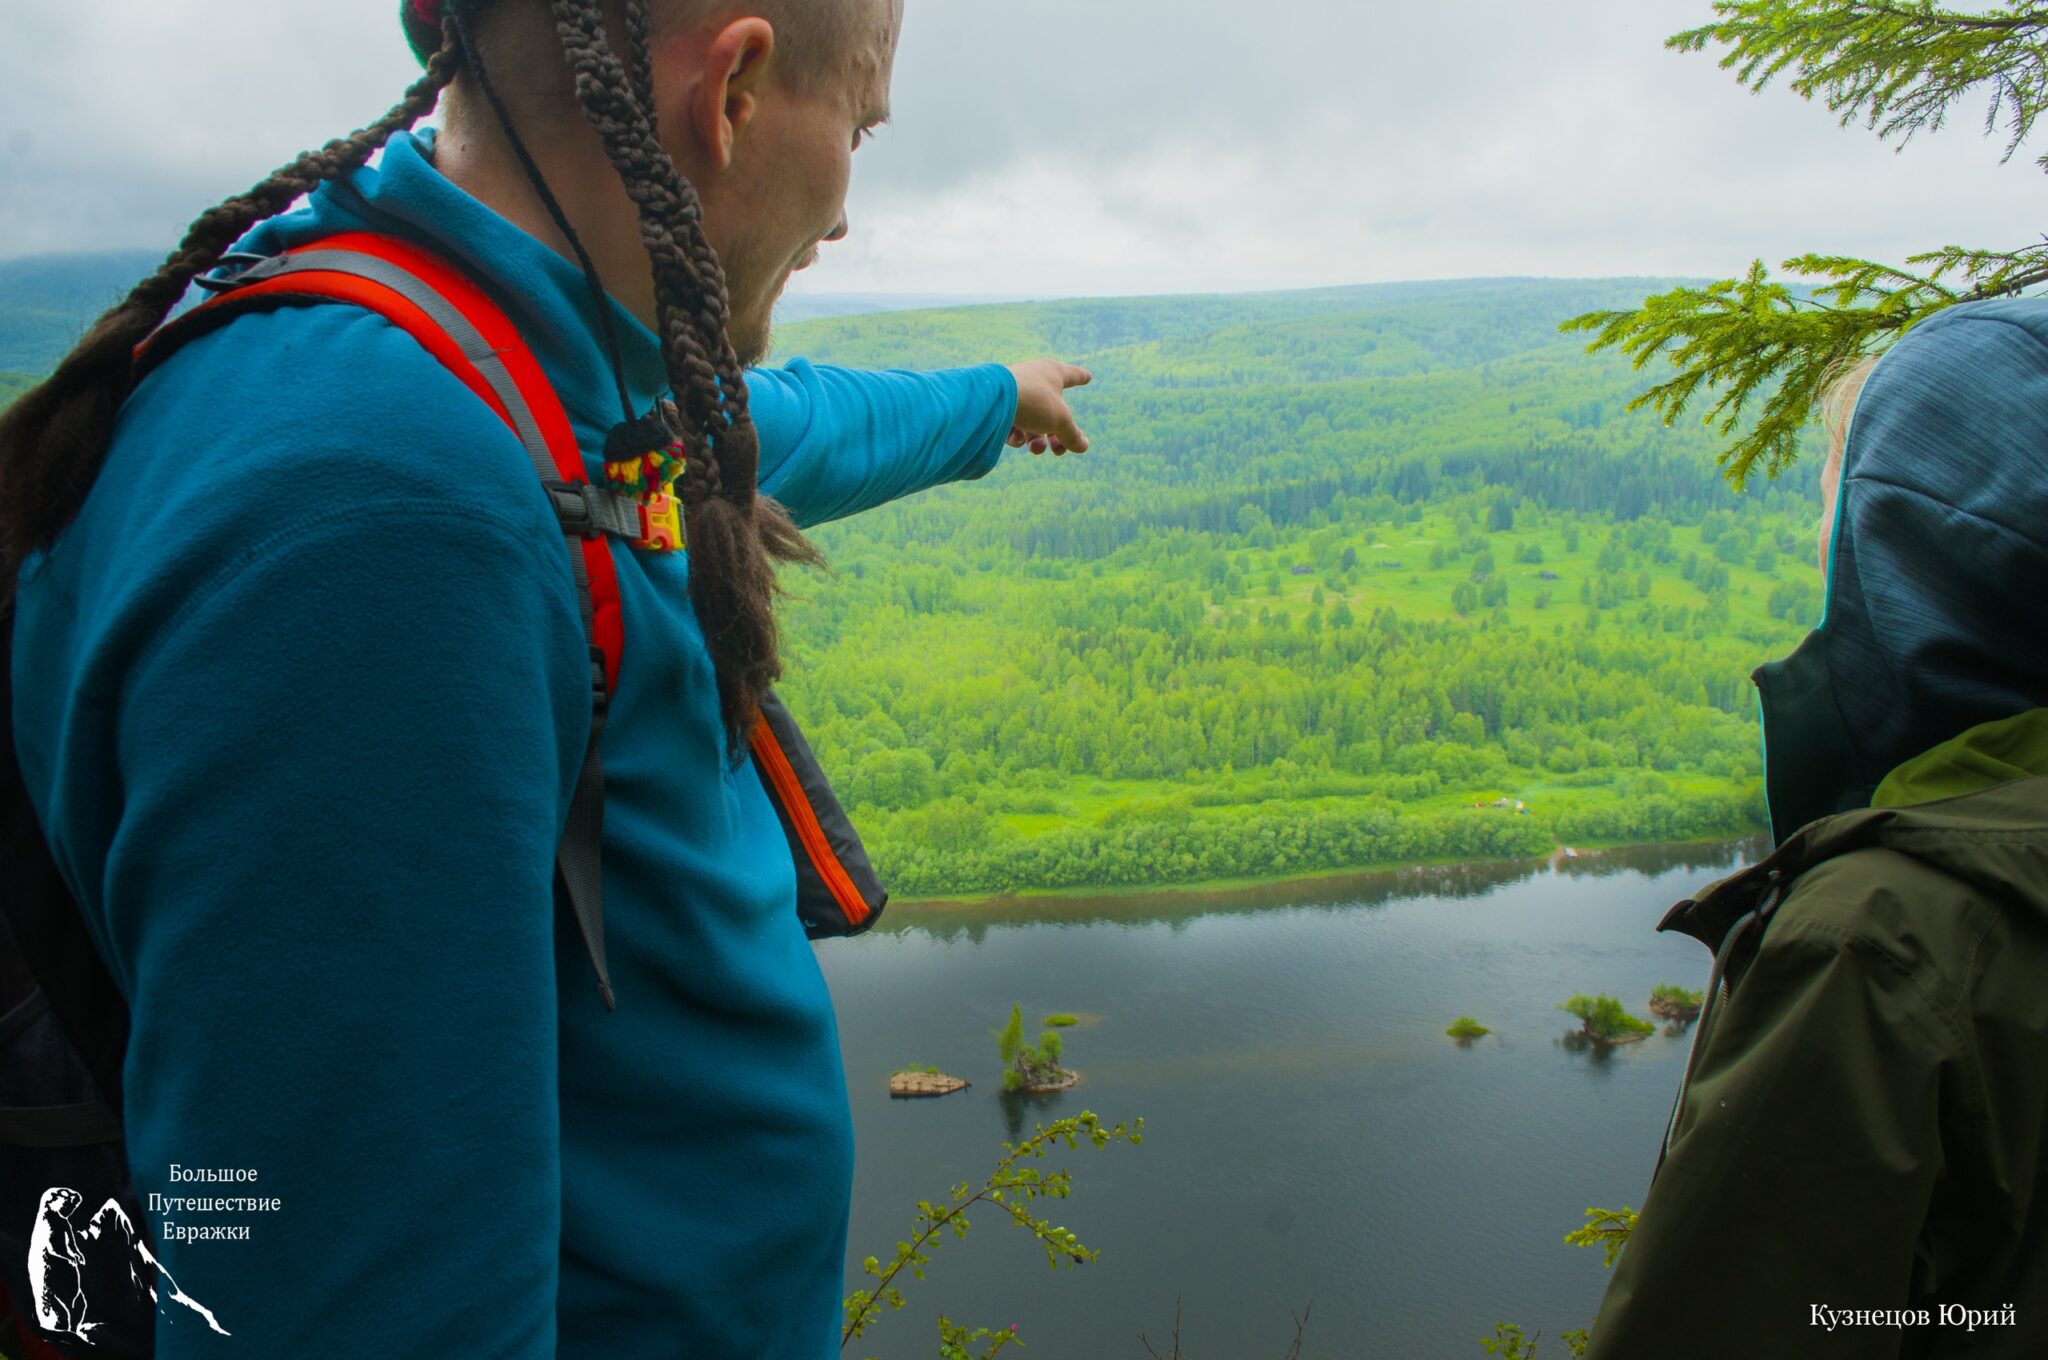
(54, 438)
(733, 531)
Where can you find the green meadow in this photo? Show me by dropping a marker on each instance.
(1347, 577)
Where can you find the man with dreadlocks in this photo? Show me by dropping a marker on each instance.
(302, 693)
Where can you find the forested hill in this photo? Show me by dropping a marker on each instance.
(1348, 575)
(1341, 565)
(1400, 388)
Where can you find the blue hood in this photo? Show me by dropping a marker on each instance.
(1938, 570)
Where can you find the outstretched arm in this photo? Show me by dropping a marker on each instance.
(836, 441)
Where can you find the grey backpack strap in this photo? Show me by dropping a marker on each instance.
(583, 510)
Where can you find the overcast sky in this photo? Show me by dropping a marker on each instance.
(1055, 147)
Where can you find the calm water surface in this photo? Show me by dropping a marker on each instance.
(1310, 1132)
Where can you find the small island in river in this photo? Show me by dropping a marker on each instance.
(1675, 1004)
(912, 1082)
(1603, 1022)
(1032, 1067)
(1465, 1029)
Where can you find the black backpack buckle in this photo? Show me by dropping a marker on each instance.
(244, 267)
(574, 507)
(600, 683)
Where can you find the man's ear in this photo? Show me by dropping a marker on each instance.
(731, 70)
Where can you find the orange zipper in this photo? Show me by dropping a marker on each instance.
(775, 764)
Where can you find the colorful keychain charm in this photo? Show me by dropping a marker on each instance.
(662, 514)
(643, 458)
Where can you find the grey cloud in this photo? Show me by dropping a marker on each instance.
(1045, 146)
(121, 120)
(1238, 145)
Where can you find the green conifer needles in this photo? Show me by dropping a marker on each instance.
(1743, 340)
(1607, 1229)
(1755, 344)
(1899, 64)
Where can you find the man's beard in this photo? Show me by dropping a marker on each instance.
(749, 336)
(750, 351)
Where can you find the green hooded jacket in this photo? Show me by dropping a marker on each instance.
(1865, 1126)
(1854, 1159)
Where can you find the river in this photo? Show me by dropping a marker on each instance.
(1311, 1134)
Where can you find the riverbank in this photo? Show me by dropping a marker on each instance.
(1149, 845)
(1364, 882)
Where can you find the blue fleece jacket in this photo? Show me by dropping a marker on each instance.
(300, 699)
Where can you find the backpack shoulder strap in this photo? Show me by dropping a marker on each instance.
(456, 321)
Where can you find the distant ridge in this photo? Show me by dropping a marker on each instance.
(1308, 334)
(819, 306)
(47, 301)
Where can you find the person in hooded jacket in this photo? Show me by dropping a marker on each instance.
(1857, 1160)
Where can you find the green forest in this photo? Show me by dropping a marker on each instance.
(1350, 577)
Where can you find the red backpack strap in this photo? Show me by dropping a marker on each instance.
(453, 319)
(456, 321)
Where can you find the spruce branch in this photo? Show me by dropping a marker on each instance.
(1998, 273)
(1756, 344)
(1739, 341)
(1607, 1229)
(1898, 64)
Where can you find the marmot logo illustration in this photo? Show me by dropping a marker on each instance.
(105, 1265)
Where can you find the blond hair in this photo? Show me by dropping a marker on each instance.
(1838, 393)
(1837, 405)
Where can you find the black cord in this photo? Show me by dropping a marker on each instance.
(598, 297)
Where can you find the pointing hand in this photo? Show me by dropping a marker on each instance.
(1044, 420)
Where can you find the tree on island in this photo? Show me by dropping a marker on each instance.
(1899, 68)
(1602, 1019)
(1465, 1029)
(1669, 1002)
(1029, 1068)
